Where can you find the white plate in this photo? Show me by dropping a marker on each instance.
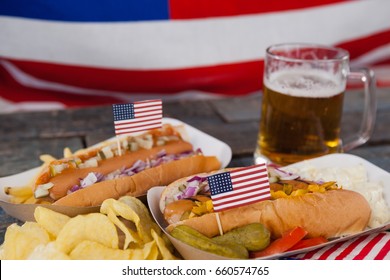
(209, 145)
(375, 174)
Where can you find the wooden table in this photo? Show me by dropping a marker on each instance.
(25, 136)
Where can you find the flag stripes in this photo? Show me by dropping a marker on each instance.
(239, 187)
(137, 116)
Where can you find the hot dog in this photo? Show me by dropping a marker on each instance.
(322, 209)
(92, 175)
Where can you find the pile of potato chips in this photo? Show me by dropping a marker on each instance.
(122, 230)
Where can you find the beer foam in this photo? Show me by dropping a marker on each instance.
(305, 83)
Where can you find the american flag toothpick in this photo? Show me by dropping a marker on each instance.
(239, 187)
(137, 117)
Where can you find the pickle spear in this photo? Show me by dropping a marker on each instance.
(195, 239)
(253, 237)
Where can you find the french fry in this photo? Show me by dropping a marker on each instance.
(67, 152)
(46, 159)
(25, 191)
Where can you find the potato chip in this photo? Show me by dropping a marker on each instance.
(113, 208)
(148, 252)
(51, 221)
(142, 212)
(47, 252)
(95, 227)
(165, 253)
(146, 223)
(90, 250)
(153, 250)
(20, 241)
(2, 255)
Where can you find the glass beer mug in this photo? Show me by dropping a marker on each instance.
(302, 103)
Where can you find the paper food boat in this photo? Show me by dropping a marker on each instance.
(375, 174)
(25, 212)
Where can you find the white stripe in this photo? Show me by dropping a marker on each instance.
(387, 256)
(11, 107)
(148, 45)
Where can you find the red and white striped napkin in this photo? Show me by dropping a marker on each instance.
(375, 246)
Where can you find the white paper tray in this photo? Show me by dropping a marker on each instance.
(375, 174)
(209, 145)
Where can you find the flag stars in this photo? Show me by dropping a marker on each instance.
(220, 183)
(123, 111)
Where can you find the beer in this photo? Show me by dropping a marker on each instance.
(301, 115)
(302, 105)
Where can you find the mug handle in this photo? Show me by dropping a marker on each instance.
(367, 76)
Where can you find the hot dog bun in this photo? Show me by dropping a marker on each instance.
(70, 177)
(129, 166)
(139, 183)
(330, 214)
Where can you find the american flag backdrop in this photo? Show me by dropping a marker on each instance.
(137, 116)
(239, 187)
(58, 54)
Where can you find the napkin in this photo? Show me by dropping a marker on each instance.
(375, 246)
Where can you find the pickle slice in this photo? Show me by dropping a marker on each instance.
(195, 239)
(253, 237)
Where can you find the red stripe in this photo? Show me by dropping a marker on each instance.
(360, 46)
(367, 249)
(230, 79)
(310, 254)
(329, 251)
(385, 250)
(350, 248)
(192, 9)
